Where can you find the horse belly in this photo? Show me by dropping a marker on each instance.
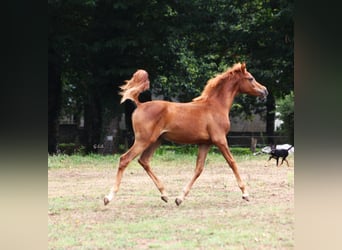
(189, 135)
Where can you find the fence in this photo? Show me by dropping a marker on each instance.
(117, 142)
(257, 140)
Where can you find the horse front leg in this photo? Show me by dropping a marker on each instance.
(230, 159)
(202, 154)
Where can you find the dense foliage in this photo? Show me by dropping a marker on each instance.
(285, 108)
(95, 45)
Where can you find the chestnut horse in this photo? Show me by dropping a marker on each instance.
(204, 121)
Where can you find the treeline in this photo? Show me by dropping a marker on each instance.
(95, 45)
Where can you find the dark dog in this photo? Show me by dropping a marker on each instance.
(279, 153)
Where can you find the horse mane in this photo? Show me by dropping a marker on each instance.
(134, 86)
(216, 82)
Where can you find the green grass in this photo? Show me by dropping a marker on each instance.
(193, 149)
(163, 154)
(76, 160)
(213, 216)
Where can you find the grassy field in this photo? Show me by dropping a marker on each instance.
(213, 216)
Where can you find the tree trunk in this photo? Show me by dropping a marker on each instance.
(54, 102)
(270, 118)
(92, 121)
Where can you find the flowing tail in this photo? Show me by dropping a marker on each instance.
(133, 87)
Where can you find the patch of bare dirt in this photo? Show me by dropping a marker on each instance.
(215, 194)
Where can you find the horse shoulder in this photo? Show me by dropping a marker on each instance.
(218, 123)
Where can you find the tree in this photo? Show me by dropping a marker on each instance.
(66, 57)
(95, 45)
(54, 101)
(100, 44)
(271, 51)
(285, 107)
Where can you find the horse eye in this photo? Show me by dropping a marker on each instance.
(250, 79)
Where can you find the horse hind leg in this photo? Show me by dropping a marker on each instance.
(202, 154)
(125, 159)
(144, 161)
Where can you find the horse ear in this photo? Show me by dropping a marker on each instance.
(243, 67)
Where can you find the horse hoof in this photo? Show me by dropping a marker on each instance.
(105, 201)
(178, 201)
(164, 198)
(246, 198)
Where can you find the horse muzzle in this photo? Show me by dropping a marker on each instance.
(264, 93)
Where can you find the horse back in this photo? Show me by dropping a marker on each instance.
(178, 122)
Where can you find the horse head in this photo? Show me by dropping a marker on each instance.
(248, 84)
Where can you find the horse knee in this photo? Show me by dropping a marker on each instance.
(123, 162)
(199, 171)
(232, 163)
(144, 163)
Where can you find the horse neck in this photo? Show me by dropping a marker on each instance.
(225, 95)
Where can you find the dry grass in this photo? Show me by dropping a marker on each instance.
(213, 216)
